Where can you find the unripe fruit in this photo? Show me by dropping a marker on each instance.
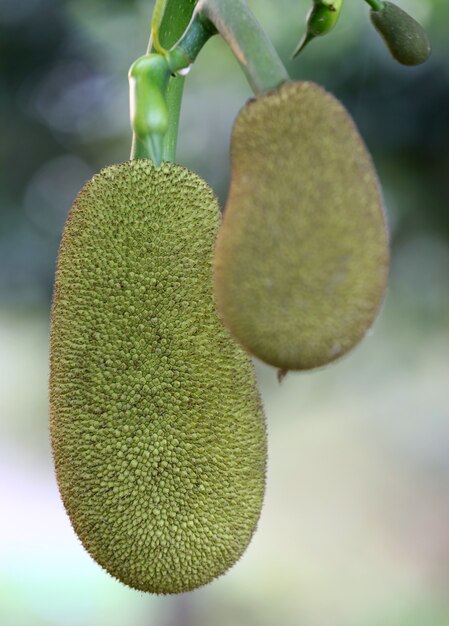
(320, 20)
(302, 255)
(405, 37)
(157, 428)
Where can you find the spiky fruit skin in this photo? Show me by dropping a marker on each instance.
(157, 428)
(405, 38)
(302, 255)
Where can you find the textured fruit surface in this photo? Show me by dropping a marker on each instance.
(301, 257)
(405, 37)
(157, 428)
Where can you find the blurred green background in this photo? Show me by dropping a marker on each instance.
(355, 527)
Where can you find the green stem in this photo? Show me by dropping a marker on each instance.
(376, 5)
(238, 26)
(184, 53)
(176, 17)
(251, 46)
(183, 38)
(175, 92)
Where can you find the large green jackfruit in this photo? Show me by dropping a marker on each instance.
(157, 428)
(302, 255)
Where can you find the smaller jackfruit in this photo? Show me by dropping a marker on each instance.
(405, 38)
(302, 255)
(157, 428)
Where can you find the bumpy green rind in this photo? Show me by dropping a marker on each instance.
(405, 37)
(302, 255)
(157, 428)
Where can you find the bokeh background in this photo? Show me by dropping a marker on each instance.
(355, 527)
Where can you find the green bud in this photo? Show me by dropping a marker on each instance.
(405, 38)
(320, 20)
(148, 81)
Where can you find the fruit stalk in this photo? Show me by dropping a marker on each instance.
(175, 19)
(376, 5)
(234, 21)
(180, 40)
(251, 46)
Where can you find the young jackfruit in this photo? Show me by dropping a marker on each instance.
(405, 38)
(157, 428)
(302, 255)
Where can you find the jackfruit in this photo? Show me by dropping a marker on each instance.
(405, 38)
(157, 428)
(302, 255)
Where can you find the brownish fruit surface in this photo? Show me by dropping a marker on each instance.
(302, 255)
